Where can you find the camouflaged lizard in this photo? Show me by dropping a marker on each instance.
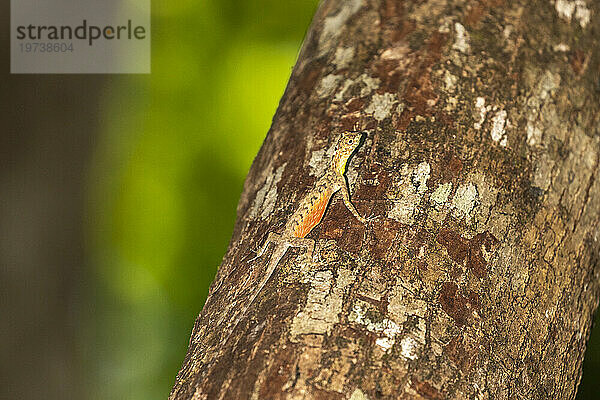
(311, 209)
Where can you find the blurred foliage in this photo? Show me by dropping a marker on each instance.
(177, 145)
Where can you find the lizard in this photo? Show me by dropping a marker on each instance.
(310, 211)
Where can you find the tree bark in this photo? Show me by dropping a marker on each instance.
(479, 279)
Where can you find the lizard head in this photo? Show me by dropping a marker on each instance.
(346, 145)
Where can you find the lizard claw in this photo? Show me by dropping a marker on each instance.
(372, 218)
(257, 255)
(260, 250)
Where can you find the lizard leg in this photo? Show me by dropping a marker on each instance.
(271, 238)
(348, 203)
(280, 249)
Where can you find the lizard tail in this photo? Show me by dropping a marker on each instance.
(278, 253)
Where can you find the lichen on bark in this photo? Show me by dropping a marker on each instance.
(479, 279)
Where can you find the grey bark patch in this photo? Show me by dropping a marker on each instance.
(333, 25)
(327, 85)
(381, 105)
(323, 303)
(464, 200)
(266, 196)
(343, 57)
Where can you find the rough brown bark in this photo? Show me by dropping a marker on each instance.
(480, 278)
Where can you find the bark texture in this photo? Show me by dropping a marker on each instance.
(479, 279)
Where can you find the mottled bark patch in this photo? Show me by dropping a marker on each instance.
(347, 235)
(457, 305)
(470, 253)
(463, 357)
(385, 233)
(427, 390)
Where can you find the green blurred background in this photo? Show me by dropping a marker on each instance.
(151, 168)
(167, 175)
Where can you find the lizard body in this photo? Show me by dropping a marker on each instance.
(311, 209)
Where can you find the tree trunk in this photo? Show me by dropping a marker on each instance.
(49, 126)
(479, 278)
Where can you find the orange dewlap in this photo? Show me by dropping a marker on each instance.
(313, 217)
